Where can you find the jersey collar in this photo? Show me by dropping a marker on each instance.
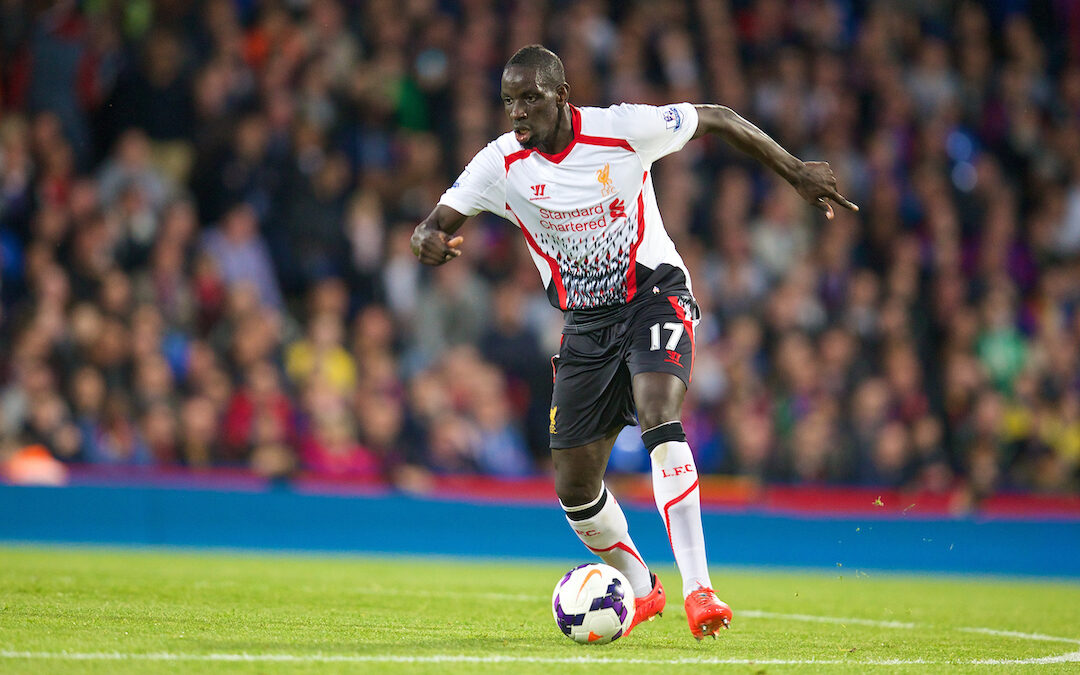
(575, 129)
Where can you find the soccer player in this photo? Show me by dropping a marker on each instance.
(576, 181)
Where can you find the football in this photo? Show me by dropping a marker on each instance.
(593, 604)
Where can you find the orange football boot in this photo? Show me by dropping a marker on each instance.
(706, 613)
(650, 606)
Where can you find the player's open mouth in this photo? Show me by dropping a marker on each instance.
(522, 135)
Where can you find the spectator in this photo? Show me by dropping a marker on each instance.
(157, 97)
(130, 170)
(241, 254)
(322, 354)
(258, 414)
(331, 448)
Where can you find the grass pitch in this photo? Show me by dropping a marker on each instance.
(107, 611)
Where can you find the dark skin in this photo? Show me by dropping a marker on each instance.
(540, 115)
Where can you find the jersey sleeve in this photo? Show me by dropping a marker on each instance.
(481, 186)
(656, 131)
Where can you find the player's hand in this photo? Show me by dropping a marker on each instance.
(434, 247)
(816, 184)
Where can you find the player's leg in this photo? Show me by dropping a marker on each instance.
(600, 522)
(592, 511)
(659, 397)
(660, 356)
(591, 403)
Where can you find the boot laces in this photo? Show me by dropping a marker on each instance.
(703, 596)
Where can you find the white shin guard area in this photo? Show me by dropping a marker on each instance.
(607, 535)
(675, 489)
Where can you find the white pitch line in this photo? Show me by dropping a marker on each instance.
(1071, 657)
(512, 597)
(756, 614)
(1022, 636)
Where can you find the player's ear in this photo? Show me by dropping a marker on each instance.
(562, 93)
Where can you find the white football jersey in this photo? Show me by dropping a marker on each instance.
(589, 213)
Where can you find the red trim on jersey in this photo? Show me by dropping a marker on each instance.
(619, 545)
(578, 137)
(604, 140)
(688, 323)
(515, 156)
(556, 277)
(631, 271)
(673, 502)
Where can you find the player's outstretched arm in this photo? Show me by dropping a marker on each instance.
(431, 240)
(814, 181)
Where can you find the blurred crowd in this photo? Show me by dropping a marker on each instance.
(205, 211)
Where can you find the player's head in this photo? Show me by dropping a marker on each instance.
(534, 91)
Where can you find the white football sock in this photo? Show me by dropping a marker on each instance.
(675, 488)
(604, 532)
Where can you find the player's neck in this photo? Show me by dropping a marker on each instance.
(564, 133)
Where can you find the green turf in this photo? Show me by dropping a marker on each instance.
(189, 605)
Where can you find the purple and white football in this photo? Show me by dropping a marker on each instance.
(593, 604)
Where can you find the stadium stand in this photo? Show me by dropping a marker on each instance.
(205, 210)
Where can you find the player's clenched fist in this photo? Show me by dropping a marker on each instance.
(434, 247)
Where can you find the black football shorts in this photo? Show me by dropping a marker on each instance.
(592, 396)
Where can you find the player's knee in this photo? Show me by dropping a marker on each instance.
(575, 490)
(658, 398)
(654, 413)
(659, 407)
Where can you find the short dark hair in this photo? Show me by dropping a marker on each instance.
(546, 63)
